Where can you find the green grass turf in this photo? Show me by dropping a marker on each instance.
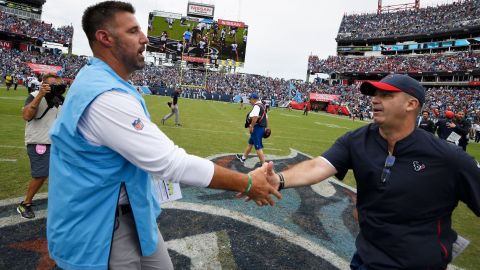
(159, 24)
(209, 128)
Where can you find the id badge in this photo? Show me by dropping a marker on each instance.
(40, 149)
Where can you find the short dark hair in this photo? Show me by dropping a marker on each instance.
(50, 75)
(96, 16)
(425, 111)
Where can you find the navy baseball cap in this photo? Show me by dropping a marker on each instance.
(395, 83)
(253, 96)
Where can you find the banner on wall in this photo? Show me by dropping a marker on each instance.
(39, 68)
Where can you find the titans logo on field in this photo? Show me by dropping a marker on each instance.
(311, 228)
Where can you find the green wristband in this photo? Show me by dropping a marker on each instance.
(249, 184)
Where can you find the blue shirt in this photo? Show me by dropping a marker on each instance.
(187, 35)
(85, 181)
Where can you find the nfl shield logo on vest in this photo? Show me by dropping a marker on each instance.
(138, 124)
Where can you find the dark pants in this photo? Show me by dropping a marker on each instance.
(357, 263)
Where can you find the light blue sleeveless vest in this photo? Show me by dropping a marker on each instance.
(85, 180)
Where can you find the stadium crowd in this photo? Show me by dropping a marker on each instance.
(14, 62)
(462, 61)
(35, 29)
(436, 98)
(442, 18)
(232, 84)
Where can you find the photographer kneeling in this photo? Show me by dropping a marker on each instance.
(40, 111)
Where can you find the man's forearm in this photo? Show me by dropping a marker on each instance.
(228, 180)
(254, 121)
(308, 173)
(31, 108)
(254, 185)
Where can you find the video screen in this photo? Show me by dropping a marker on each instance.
(195, 38)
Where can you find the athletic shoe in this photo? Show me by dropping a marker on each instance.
(239, 157)
(178, 125)
(25, 210)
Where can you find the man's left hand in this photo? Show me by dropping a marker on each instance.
(262, 189)
(271, 184)
(451, 125)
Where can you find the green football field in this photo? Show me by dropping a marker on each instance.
(210, 128)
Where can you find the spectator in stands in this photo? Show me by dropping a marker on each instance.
(408, 182)
(105, 144)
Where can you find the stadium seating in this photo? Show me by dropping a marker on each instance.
(14, 62)
(462, 61)
(440, 19)
(35, 29)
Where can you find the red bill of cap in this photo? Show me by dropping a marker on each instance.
(369, 87)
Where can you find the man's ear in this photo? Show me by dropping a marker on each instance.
(412, 105)
(104, 37)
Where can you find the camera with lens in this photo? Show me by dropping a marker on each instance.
(248, 120)
(55, 97)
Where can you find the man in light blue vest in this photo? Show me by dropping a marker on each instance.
(101, 209)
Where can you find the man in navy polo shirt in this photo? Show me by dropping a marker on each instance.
(408, 181)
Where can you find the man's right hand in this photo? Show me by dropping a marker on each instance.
(272, 177)
(44, 89)
(262, 188)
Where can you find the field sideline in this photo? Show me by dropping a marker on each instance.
(211, 128)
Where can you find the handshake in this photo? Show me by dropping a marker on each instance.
(263, 182)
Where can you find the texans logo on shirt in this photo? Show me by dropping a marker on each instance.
(138, 124)
(417, 166)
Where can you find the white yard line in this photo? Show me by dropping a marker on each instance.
(12, 146)
(14, 98)
(289, 115)
(7, 160)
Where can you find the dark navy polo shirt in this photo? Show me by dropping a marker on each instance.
(405, 223)
(175, 97)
